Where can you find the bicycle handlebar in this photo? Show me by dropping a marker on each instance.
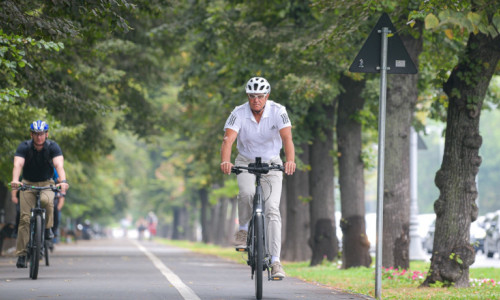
(254, 168)
(25, 187)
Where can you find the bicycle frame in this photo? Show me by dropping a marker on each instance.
(258, 256)
(38, 210)
(258, 212)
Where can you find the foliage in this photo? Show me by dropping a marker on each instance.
(110, 63)
(12, 58)
(460, 18)
(137, 92)
(229, 190)
(448, 25)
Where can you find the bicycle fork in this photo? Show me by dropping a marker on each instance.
(259, 213)
(35, 212)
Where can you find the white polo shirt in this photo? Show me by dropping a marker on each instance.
(259, 139)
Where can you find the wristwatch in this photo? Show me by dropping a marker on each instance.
(64, 181)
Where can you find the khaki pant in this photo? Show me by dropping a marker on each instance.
(27, 202)
(271, 181)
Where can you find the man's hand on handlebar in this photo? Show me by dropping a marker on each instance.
(290, 167)
(15, 185)
(63, 186)
(225, 167)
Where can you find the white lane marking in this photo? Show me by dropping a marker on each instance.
(183, 289)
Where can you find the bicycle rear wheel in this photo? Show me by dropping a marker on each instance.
(259, 255)
(36, 246)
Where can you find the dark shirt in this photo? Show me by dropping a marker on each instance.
(38, 167)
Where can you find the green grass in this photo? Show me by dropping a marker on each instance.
(395, 285)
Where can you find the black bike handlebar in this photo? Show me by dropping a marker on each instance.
(253, 168)
(25, 187)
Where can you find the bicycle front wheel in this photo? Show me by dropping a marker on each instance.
(46, 250)
(36, 246)
(259, 255)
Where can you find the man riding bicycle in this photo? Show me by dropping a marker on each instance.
(260, 127)
(58, 204)
(36, 158)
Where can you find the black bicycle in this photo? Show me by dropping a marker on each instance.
(258, 257)
(37, 245)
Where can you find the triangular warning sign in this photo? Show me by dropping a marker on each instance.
(398, 59)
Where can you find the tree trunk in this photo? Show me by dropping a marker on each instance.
(231, 224)
(456, 208)
(221, 221)
(402, 93)
(176, 224)
(355, 244)
(3, 201)
(323, 240)
(7, 219)
(9, 208)
(193, 213)
(204, 215)
(185, 222)
(297, 215)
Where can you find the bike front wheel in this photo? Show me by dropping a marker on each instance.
(259, 255)
(36, 246)
(46, 250)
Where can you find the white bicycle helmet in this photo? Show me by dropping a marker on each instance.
(258, 85)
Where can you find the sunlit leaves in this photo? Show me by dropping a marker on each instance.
(12, 52)
(478, 17)
(12, 94)
(431, 21)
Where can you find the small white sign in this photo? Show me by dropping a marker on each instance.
(400, 63)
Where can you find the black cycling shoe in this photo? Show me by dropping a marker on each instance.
(48, 234)
(21, 262)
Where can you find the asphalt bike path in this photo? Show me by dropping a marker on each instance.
(130, 269)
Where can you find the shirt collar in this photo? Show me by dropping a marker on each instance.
(266, 113)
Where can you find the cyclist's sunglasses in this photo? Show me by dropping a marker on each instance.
(256, 96)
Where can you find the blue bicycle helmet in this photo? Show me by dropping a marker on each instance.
(39, 126)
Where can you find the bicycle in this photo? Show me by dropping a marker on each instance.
(258, 257)
(37, 231)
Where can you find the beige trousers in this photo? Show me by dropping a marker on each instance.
(271, 187)
(27, 201)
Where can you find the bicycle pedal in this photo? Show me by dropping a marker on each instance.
(276, 278)
(240, 249)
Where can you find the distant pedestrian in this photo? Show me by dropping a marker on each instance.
(152, 220)
(141, 227)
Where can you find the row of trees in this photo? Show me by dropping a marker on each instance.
(168, 73)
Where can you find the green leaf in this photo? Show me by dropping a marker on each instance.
(492, 31)
(496, 21)
(475, 18)
(431, 21)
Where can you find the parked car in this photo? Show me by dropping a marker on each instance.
(492, 240)
(477, 237)
(428, 240)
